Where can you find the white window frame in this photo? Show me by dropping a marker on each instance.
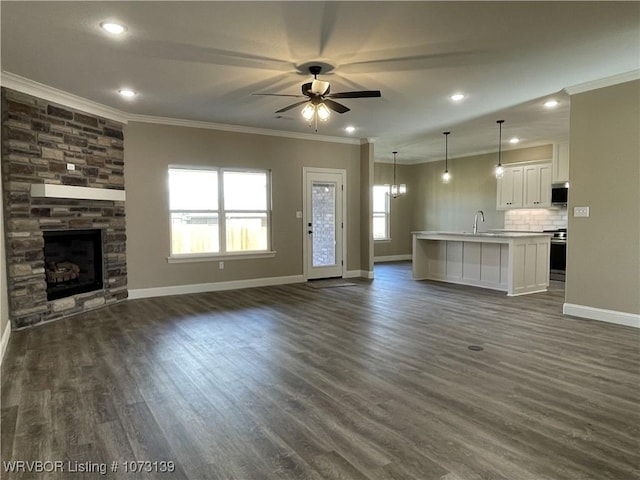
(386, 213)
(222, 240)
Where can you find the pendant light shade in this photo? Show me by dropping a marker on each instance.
(499, 168)
(446, 176)
(397, 190)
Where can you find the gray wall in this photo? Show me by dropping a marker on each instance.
(150, 149)
(603, 265)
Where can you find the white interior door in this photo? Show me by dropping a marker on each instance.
(324, 223)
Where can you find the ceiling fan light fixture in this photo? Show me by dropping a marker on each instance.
(323, 112)
(308, 111)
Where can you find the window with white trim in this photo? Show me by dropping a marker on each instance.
(381, 203)
(218, 211)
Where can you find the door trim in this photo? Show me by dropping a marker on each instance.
(343, 173)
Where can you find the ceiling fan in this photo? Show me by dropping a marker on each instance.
(319, 99)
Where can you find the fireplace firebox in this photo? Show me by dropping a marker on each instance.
(73, 262)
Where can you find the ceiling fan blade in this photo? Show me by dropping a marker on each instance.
(291, 106)
(319, 87)
(277, 95)
(360, 94)
(335, 106)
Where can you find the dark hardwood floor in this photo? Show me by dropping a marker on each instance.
(372, 381)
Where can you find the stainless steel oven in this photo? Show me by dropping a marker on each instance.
(558, 257)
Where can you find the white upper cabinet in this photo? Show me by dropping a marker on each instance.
(510, 189)
(560, 163)
(537, 186)
(525, 186)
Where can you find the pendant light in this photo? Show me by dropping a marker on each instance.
(397, 190)
(499, 168)
(446, 176)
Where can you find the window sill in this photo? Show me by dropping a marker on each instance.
(212, 257)
(382, 240)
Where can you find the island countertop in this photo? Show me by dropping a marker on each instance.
(487, 237)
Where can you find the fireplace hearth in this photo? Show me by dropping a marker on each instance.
(73, 262)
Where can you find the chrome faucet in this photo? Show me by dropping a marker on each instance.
(475, 220)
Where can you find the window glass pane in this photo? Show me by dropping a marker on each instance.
(245, 191)
(193, 189)
(380, 198)
(194, 233)
(323, 199)
(379, 226)
(246, 231)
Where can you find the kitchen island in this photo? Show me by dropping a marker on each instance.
(517, 263)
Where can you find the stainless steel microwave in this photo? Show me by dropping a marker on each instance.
(559, 194)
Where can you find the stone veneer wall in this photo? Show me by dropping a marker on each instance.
(39, 139)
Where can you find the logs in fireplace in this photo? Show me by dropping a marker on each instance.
(73, 260)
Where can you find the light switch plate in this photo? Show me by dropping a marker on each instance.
(298, 214)
(580, 211)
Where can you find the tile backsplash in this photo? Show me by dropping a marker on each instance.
(535, 220)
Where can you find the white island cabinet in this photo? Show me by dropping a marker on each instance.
(517, 263)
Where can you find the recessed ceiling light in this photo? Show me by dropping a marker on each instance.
(126, 92)
(551, 103)
(350, 129)
(514, 140)
(456, 97)
(114, 28)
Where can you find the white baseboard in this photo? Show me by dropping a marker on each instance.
(4, 340)
(212, 287)
(611, 316)
(392, 258)
(358, 274)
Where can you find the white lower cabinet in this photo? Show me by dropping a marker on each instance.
(516, 264)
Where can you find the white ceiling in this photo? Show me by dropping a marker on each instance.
(203, 61)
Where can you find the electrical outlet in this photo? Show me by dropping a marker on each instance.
(71, 166)
(580, 211)
(221, 265)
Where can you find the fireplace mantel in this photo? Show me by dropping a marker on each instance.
(50, 190)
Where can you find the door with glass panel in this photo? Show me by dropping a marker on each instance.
(324, 227)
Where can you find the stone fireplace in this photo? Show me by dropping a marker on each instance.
(63, 186)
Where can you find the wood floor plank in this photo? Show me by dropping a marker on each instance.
(372, 381)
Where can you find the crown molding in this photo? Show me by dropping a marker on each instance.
(30, 87)
(603, 82)
(177, 122)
